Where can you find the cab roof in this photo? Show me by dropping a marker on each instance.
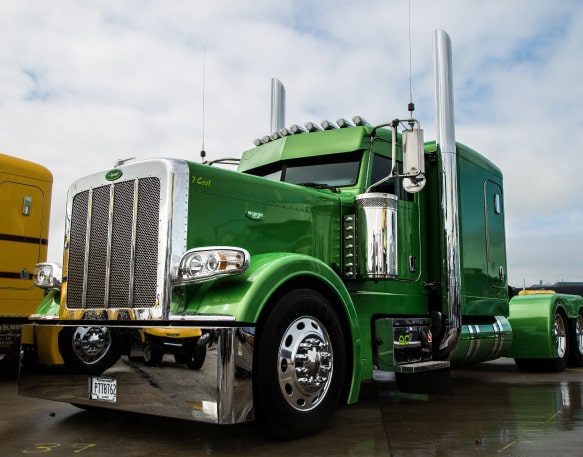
(338, 141)
(20, 167)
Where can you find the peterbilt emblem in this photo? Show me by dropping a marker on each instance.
(112, 175)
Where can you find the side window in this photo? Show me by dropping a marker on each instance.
(381, 167)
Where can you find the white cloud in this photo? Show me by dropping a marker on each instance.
(82, 84)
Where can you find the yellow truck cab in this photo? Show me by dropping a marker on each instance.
(25, 200)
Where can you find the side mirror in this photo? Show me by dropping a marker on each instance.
(413, 160)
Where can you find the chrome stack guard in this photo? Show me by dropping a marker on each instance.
(220, 392)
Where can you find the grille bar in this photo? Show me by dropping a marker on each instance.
(113, 253)
(109, 236)
(87, 244)
(133, 245)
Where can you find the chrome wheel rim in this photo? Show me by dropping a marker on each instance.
(560, 336)
(91, 344)
(305, 363)
(579, 333)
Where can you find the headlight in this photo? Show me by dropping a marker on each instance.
(201, 264)
(48, 275)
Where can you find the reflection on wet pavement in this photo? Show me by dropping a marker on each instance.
(354, 431)
(495, 410)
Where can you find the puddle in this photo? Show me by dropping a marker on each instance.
(506, 413)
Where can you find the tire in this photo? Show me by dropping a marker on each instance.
(89, 350)
(197, 358)
(152, 354)
(561, 340)
(289, 399)
(576, 341)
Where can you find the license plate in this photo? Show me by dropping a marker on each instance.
(104, 389)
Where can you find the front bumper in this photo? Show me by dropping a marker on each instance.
(220, 392)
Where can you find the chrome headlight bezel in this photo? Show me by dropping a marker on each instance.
(206, 263)
(48, 275)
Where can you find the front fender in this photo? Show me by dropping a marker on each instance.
(50, 304)
(245, 296)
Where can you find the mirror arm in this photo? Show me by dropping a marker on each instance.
(394, 124)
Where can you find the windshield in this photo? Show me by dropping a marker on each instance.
(327, 171)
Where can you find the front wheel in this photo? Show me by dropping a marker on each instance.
(90, 350)
(299, 366)
(153, 354)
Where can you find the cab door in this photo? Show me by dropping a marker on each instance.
(495, 235)
(21, 218)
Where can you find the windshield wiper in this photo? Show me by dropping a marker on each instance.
(318, 185)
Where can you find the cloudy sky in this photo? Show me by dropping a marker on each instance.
(85, 83)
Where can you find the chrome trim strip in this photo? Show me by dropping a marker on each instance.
(500, 337)
(201, 317)
(499, 330)
(470, 343)
(43, 317)
(168, 259)
(109, 236)
(87, 243)
(478, 341)
(449, 182)
(133, 246)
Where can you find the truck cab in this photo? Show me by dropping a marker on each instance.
(25, 201)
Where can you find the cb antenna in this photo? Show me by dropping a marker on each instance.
(411, 106)
(202, 151)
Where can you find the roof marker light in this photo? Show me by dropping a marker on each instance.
(296, 129)
(265, 139)
(257, 142)
(284, 132)
(313, 127)
(343, 123)
(329, 125)
(359, 120)
(275, 136)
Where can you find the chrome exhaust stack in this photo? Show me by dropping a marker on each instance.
(277, 106)
(449, 183)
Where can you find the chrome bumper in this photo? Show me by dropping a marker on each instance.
(220, 392)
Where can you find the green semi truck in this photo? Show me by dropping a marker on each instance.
(334, 254)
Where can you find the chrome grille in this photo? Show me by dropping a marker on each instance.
(114, 242)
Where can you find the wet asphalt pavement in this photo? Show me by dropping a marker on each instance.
(495, 410)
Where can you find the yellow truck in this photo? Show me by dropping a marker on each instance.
(25, 200)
